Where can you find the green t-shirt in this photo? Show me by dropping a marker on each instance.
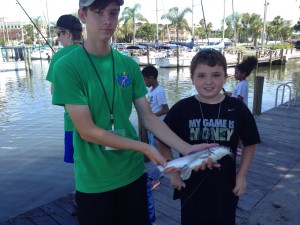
(68, 124)
(98, 170)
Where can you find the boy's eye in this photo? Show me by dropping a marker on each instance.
(114, 13)
(97, 11)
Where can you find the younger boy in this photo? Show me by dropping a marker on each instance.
(211, 196)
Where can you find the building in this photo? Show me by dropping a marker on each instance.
(13, 30)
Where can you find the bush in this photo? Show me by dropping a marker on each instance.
(283, 45)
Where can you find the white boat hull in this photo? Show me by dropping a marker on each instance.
(168, 62)
(143, 60)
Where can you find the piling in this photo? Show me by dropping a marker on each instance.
(148, 57)
(257, 95)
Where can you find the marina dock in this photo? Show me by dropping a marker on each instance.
(276, 158)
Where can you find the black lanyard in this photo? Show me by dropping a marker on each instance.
(111, 109)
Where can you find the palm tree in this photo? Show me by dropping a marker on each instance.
(256, 27)
(132, 15)
(177, 19)
(277, 23)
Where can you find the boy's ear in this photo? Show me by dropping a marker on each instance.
(81, 15)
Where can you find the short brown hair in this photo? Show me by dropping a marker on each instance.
(210, 57)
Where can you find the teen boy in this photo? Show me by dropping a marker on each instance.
(98, 89)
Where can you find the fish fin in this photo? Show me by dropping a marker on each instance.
(160, 168)
(186, 174)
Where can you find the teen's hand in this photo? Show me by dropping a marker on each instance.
(154, 155)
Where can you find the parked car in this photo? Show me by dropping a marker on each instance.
(297, 45)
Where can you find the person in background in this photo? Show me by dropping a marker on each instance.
(242, 71)
(211, 196)
(69, 34)
(159, 106)
(241, 90)
(99, 86)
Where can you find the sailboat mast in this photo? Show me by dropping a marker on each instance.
(156, 21)
(192, 18)
(224, 21)
(50, 36)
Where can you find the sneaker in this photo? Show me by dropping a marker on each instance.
(239, 151)
(154, 184)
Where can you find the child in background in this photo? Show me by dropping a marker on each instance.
(159, 106)
(211, 196)
(242, 71)
(241, 90)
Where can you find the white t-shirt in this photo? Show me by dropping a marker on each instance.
(241, 89)
(156, 98)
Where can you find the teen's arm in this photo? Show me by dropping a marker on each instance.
(81, 117)
(246, 158)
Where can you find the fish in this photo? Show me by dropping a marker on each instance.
(187, 163)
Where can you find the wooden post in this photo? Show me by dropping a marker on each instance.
(271, 55)
(177, 57)
(25, 58)
(239, 57)
(257, 56)
(257, 95)
(29, 60)
(148, 57)
(281, 57)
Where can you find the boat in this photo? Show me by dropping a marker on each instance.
(139, 53)
(170, 61)
(42, 54)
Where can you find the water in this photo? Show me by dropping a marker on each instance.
(31, 141)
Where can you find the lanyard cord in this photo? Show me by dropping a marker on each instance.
(111, 109)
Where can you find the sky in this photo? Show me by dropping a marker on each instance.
(213, 9)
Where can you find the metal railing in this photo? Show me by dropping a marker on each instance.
(284, 86)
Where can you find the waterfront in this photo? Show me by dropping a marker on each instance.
(32, 131)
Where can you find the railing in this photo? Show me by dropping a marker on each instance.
(287, 85)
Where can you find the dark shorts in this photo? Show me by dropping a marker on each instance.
(69, 149)
(125, 205)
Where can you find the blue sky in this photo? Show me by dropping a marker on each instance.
(213, 9)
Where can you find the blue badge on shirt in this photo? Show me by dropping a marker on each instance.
(123, 80)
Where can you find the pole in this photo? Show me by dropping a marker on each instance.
(50, 37)
(264, 28)
(193, 29)
(224, 22)
(234, 25)
(156, 22)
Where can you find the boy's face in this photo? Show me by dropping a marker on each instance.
(101, 23)
(148, 81)
(238, 75)
(209, 81)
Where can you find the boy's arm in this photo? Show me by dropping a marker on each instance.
(81, 117)
(246, 158)
(164, 110)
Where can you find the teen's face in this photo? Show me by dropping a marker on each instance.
(238, 75)
(63, 37)
(209, 81)
(101, 23)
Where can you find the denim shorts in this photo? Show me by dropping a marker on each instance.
(69, 149)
